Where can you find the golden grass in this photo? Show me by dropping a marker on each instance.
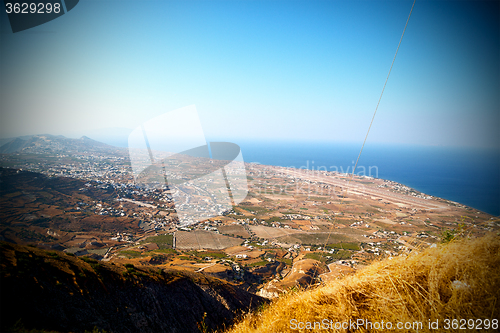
(459, 280)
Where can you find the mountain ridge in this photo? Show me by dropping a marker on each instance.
(45, 142)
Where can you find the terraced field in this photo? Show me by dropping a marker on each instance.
(268, 232)
(314, 238)
(234, 230)
(200, 239)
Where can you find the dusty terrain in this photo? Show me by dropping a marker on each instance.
(295, 227)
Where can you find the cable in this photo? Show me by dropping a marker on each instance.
(383, 89)
(368, 131)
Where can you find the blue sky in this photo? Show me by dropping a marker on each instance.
(267, 70)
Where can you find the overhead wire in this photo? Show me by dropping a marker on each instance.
(346, 188)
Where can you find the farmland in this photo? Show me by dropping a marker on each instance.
(200, 239)
(294, 226)
(234, 230)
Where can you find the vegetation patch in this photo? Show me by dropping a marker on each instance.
(255, 209)
(275, 219)
(318, 257)
(314, 238)
(286, 261)
(131, 254)
(346, 246)
(163, 241)
(258, 263)
(168, 251)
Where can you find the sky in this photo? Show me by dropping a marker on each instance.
(260, 70)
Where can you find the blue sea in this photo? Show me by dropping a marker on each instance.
(465, 175)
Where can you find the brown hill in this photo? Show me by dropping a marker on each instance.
(47, 142)
(55, 291)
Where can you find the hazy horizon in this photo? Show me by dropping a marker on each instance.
(121, 141)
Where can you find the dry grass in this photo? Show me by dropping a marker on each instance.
(460, 280)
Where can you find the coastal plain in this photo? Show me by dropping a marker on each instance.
(294, 229)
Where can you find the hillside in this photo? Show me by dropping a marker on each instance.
(460, 280)
(60, 292)
(50, 143)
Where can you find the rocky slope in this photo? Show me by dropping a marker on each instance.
(55, 291)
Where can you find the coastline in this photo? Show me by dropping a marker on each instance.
(470, 177)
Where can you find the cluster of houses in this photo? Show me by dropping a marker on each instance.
(360, 224)
(397, 187)
(123, 237)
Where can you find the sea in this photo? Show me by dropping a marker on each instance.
(470, 176)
